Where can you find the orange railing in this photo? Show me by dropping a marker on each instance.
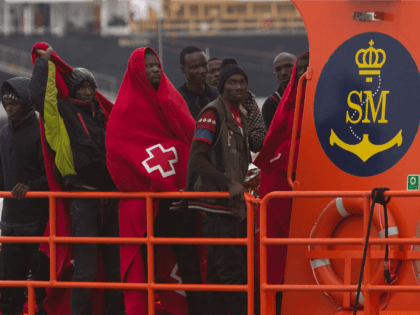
(150, 240)
(371, 301)
(267, 300)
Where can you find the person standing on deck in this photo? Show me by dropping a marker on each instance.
(21, 170)
(219, 161)
(75, 132)
(195, 91)
(283, 66)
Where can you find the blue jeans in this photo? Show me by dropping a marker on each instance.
(226, 264)
(95, 217)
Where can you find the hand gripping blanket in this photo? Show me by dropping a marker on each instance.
(273, 161)
(58, 300)
(148, 143)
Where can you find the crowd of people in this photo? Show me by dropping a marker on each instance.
(155, 137)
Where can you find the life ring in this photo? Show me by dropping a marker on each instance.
(334, 212)
(416, 262)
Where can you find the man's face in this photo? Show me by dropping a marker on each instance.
(195, 68)
(235, 88)
(283, 68)
(214, 72)
(86, 92)
(13, 108)
(153, 71)
(301, 67)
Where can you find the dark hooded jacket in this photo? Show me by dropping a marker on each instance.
(196, 102)
(270, 106)
(22, 161)
(75, 134)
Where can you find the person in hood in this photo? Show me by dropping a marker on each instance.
(219, 161)
(21, 170)
(196, 92)
(273, 161)
(148, 143)
(75, 133)
(283, 66)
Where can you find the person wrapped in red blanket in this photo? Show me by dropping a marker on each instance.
(273, 162)
(148, 142)
(74, 115)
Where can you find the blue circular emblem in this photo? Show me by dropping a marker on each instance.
(367, 104)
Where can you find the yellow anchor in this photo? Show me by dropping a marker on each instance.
(365, 149)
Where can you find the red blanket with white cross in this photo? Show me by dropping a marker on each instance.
(148, 143)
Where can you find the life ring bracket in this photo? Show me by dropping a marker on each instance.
(320, 255)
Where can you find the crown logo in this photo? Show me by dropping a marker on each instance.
(370, 61)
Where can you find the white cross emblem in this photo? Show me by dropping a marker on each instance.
(161, 159)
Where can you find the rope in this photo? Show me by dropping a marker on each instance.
(377, 197)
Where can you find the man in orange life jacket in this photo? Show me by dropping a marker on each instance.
(80, 165)
(219, 161)
(283, 66)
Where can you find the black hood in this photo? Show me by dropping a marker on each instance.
(21, 86)
(77, 78)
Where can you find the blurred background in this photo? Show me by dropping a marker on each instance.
(101, 34)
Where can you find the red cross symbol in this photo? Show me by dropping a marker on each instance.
(161, 159)
(177, 276)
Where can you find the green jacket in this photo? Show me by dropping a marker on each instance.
(74, 134)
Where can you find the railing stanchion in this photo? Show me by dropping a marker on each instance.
(347, 281)
(371, 293)
(150, 256)
(31, 300)
(263, 256)
(370, 298)
(53, 234)
(295, 130)
(250, 253)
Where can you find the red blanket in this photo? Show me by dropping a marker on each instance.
(273, 161)
(58, 300)
(148, 142)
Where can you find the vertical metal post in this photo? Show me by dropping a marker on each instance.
(208, 53)
(150, 256)
(31, 300)
(371, 300)
(295, 130)
(347, 281)
(53, 234)
(265, 295)
(160, 40)
(250, 252)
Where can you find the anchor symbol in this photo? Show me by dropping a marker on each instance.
(365, 149)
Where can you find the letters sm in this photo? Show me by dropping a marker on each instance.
(365, 104)
(369, 105)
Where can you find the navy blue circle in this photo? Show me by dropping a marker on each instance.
(340, 77)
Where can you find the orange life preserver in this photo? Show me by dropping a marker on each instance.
(334, 212)
(416, 262)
